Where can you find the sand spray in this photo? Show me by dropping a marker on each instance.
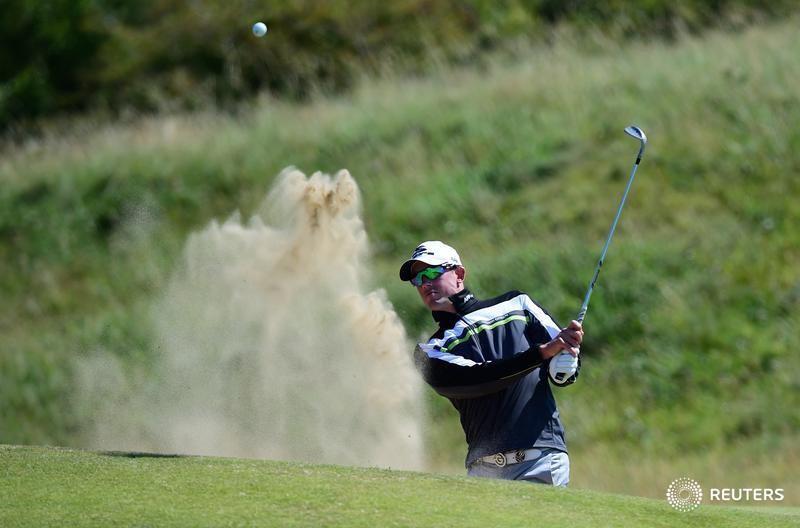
(271, 345)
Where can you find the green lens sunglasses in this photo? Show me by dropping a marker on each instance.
(430, 274)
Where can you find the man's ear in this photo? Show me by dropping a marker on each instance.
(461, 273)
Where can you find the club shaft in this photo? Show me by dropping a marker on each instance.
(585, 306)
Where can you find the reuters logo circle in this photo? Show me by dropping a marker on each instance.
(684, 494)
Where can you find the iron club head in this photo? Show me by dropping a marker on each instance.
(636, 132)
(639, 134)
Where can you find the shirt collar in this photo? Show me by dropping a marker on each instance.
(463, 301)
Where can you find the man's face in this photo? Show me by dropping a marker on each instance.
(440, 288)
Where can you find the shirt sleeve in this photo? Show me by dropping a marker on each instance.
(460, 378)
(542, 327)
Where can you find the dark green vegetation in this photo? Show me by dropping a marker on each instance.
(76, 55)
(58, 487)
(692, 333)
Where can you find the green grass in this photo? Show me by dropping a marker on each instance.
(60, 487)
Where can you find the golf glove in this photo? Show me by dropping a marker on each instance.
(564, 368)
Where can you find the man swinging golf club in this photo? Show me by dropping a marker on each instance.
(486, 358)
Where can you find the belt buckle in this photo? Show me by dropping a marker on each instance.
(500, 460)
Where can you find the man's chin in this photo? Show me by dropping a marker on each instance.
(438, 303)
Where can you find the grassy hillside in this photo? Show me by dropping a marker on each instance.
(691, 335)
(58, 487)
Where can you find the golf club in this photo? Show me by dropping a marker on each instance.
(636, 133)
(563, 366)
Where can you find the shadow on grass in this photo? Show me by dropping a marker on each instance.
(139, 454)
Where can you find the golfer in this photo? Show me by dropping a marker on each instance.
(488, 357)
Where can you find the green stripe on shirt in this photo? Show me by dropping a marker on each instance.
(473, 331)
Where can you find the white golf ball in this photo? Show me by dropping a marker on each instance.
(259, 29)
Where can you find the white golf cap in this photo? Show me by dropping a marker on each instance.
(433, 253)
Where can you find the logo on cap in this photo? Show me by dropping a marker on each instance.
(421, 250)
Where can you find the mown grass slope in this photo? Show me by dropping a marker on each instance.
(691, 333)
(59, 487)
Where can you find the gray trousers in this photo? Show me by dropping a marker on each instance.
(551, 467)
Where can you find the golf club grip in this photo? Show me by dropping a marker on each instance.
(585, 305)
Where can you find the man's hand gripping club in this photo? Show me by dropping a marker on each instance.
(568, 340)
(563, 351)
